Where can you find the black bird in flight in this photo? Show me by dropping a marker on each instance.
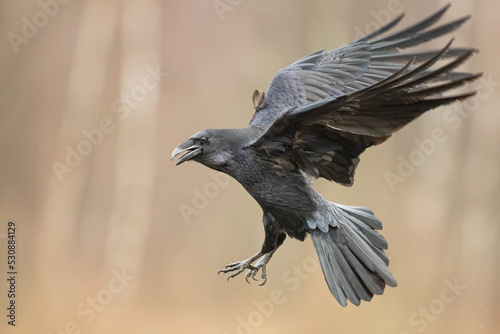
(318, 115)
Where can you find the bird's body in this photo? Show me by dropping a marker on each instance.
(289, 196)
(318, 115)
(281, 192)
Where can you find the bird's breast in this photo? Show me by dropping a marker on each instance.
(273, 188)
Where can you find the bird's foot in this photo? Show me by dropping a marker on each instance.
(261, 264)
(253, 269)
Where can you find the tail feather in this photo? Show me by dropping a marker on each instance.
(368, 232)
(373, 282)
(345, 279)
(365, 214)
(351, 253)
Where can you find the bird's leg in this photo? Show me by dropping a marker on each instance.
(272, 241)
(240, 266)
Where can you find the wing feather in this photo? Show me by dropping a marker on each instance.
(324, 110)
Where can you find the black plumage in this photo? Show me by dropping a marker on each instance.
(318, 115)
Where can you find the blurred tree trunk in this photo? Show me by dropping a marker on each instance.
(135, 165)
(475, 192)
(63, 202)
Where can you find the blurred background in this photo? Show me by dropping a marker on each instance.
(111, 238)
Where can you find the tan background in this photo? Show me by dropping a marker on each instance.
(118, 210)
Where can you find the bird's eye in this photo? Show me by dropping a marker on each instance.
(203, 140)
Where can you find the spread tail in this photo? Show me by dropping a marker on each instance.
(351, 253)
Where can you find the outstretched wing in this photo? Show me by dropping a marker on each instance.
(324, 110)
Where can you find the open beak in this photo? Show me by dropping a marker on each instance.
(189, 147)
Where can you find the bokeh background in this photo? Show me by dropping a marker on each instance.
(111, 238)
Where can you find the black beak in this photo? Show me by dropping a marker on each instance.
(189, 146)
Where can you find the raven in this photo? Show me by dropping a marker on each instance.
(317, 116)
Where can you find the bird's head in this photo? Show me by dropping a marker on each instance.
(211, 148)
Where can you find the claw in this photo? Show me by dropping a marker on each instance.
(235, 274)
(247, 275)
(231, 267)
(263, 276)
(253, 270)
